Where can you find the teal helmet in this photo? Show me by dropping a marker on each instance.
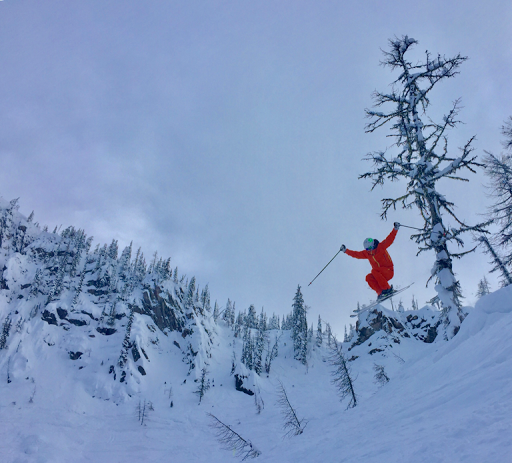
(369, 244)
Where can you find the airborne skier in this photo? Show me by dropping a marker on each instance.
(380, 260)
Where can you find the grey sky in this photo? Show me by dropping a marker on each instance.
(229, 135)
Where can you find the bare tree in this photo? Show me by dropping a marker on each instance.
(341, 375)
(231, 440)
(293, 425)
(421, 161)
(506, 130)
(499, 172)
(143, 408)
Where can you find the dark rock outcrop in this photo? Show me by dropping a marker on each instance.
(49, 318)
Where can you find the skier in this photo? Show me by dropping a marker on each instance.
(380, 260)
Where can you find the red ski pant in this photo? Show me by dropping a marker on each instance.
(378, 279)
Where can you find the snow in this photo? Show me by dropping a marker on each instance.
(448, 401)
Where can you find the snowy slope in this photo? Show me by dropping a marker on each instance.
(450, 401)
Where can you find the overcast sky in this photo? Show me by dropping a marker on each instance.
(229, 135)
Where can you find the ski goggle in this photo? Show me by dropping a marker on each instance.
(368, 244)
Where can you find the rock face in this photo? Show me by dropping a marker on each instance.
(162, 307)
(420, 324)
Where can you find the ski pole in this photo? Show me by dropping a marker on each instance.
(325, 267)
(414, 228)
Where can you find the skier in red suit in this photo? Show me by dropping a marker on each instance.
(380, 260)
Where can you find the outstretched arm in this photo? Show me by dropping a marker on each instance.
(389, 239)
(356, 254)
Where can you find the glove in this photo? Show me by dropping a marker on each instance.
(343, 248)
(396, 225)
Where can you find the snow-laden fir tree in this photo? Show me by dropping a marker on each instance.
(252, 318)
(226, 315)
(258, 350)
(300, 328)
(421, 160)
(319, 334)
(216, 312)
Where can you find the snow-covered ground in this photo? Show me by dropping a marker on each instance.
(449, 401)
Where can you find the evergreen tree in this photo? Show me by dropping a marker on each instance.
(421, 162)
(252, 319)
(226, 315)
(258, 351)
(205, 300)
(262, 323)
(300, 328)
(328, 334)
(239, 325)
(204, 384)
(216, 312)
(319, 335)
(483, 288)
(247, 348)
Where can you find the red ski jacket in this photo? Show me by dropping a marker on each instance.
(379, 257)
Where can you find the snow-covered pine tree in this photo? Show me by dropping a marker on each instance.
(226, 314)
(205, 300)
(216, 312)
(484, 287)
(247, 349)
(258, 351)
(262, 322)
(319, 334)
(252, 319)
(300, 328)
(328, 334)
(422, 161)
(239, 323)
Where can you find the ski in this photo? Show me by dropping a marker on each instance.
(378, 301)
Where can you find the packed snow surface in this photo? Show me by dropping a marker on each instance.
(445, 402)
